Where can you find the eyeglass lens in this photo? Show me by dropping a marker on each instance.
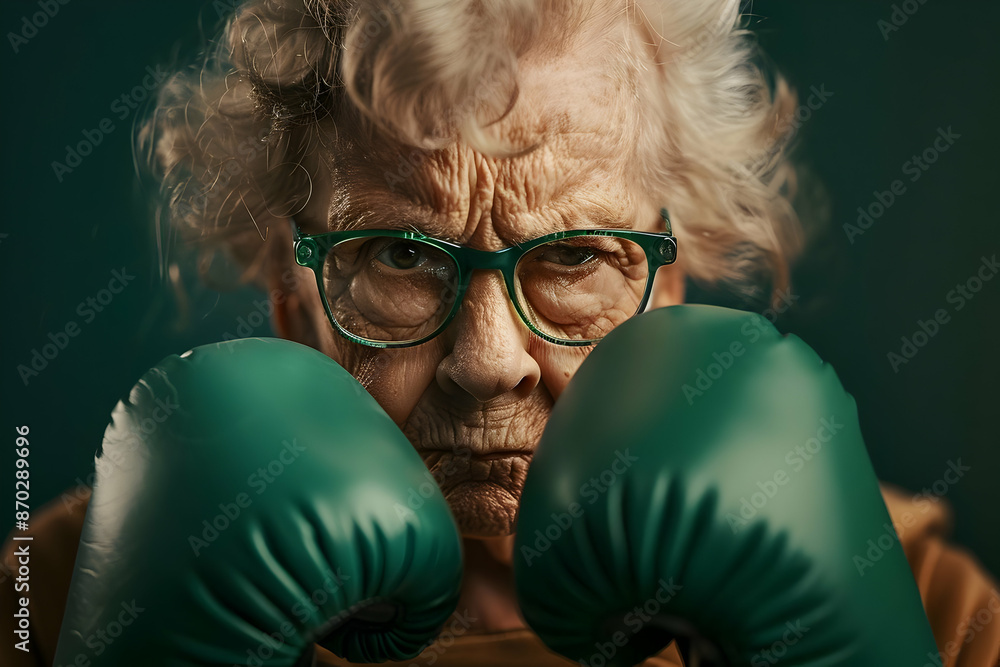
(389, 289)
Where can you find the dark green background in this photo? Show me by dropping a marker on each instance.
(856, 301)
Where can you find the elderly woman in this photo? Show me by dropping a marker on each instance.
(488, 125)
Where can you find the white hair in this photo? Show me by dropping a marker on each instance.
(236, 141)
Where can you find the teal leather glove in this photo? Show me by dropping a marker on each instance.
(251, 498)
(703, 478)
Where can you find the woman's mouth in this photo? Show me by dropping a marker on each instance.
(483, 489)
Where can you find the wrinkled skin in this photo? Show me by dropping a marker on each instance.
(474, 400)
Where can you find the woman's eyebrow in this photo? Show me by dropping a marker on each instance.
(394, 216)
(586, 216)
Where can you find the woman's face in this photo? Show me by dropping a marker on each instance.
(474, 400)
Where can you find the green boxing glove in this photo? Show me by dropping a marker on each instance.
(251, 499)
(703, 478)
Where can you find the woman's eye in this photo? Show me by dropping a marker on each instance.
(566, 255)
(402, 255)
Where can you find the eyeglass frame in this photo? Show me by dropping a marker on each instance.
(311, 251)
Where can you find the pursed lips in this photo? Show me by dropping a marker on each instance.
(452, 467)
(480, 457)
(469, 453)
(507, 453)
(484, 449)
(484, 435)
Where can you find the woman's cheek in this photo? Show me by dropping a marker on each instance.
(397, 379)
(558, 364)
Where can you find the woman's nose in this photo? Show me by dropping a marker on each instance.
(488, 346)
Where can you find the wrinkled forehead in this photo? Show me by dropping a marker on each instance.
(572, 130)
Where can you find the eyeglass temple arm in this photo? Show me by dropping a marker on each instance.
(666, 220)
(297, 233)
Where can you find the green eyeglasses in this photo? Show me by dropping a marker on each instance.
(395, 288)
